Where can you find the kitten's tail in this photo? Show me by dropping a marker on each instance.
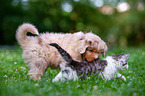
(62, 52)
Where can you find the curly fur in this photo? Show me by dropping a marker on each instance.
(39, 55)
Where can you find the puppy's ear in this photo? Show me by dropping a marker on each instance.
(86, 45)
(105, 50)
(83, 50)
(102, 46)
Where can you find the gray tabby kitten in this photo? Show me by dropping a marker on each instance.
(75, 70)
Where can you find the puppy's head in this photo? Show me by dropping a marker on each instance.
(93, 48)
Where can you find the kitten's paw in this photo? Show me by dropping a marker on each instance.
(55, 80)
(123, 78)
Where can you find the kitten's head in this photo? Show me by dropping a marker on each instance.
(121, 61)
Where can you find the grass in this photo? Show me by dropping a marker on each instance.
(14, 80)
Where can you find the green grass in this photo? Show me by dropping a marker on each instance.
(14, 80)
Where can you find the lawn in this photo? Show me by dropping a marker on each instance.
(14, 80)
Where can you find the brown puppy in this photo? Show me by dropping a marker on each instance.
(38, 55)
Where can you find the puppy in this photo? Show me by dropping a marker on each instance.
(38, 55)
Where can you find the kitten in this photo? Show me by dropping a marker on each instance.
(75, 70)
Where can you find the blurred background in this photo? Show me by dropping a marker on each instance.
(117, 22)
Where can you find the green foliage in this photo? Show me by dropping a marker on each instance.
(126, 28)
(14, 80)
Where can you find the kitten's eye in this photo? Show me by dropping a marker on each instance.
(124, 64)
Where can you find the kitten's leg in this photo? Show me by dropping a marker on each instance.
(63, 65)
(120, 75)
(105, 76)
(66, 74)
(58, 77)
(63, 75)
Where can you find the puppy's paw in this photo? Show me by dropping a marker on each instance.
(36, 76)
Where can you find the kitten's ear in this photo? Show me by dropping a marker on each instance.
(126, 56)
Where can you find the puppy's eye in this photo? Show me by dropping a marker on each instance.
(91, 50)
